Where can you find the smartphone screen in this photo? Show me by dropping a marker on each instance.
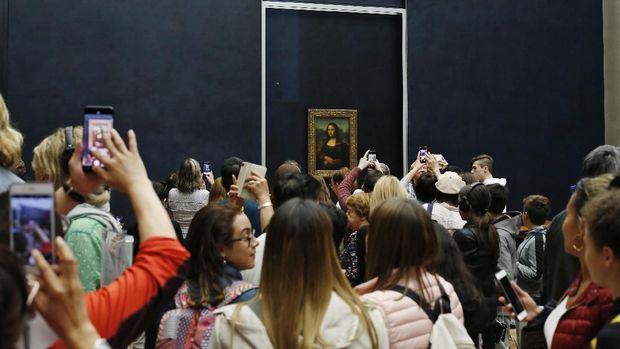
(97, 121)
(32, 221)
(504, 282)
(206, 167)
(423, 151)
(372, 155)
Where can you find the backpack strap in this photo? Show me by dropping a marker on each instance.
(442, 304)
(429, 208)
(416, 298)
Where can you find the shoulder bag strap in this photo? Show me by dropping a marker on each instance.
(416, 298)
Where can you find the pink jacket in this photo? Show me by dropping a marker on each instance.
(408, 326)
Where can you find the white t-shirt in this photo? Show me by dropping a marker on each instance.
(553, 319)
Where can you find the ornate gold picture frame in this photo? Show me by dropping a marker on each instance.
(332, 140)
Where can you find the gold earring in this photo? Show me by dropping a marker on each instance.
(580, 248)
(224, 259)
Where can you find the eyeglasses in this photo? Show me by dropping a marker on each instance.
(250, 239)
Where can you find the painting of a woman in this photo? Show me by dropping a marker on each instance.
(334, 153)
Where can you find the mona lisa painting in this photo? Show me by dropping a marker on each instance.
(332, 140)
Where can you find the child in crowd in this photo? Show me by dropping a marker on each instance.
(531, 252)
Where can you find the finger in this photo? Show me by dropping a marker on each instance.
(109, 144)
(118, 141)
(66, 260)
(77, 153)
(101, 172)
(132, 142)
(48, 277)
(234, 180)
(366, 154)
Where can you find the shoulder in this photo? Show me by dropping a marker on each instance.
(608, 337)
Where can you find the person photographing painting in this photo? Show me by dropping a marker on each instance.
(334, 153)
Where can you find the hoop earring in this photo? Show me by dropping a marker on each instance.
(580, 248)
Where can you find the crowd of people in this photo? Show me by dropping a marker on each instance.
(369, 261)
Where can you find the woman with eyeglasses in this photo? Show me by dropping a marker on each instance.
(304, 301)
(574, 320)
(221, 243)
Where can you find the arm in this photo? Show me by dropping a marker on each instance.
(345, 188)
(505, 258)
(259, 186)
(530, 267)
(125, 171)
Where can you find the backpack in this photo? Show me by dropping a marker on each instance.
(447, 331)
(191, 328)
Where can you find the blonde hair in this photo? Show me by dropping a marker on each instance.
(359, 204)
(47, 156)
(300, 272)
(10, 139)
(386, 187)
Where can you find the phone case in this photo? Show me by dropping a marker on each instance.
(244, 173)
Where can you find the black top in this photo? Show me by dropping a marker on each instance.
(609, 336)
(479, 258)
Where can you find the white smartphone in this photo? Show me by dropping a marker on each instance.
(244, 173)
(504, 283)
(32, 221)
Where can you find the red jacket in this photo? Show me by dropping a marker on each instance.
(585, 316)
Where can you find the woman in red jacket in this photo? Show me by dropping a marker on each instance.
(585, 307)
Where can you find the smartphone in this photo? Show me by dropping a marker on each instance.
(244, 173)
(207, 167)
(32, 220)
(97, 121)
(372, 155)
(423, 150)
(511, 295)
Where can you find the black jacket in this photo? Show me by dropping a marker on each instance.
(481, 259)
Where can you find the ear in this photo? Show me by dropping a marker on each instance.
(609, 257)
(221, 249)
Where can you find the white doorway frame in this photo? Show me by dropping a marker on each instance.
(301, 6)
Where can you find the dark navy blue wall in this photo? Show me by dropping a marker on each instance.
(520, 80)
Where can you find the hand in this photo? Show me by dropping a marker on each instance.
(364, 163)
(258, 186)
(124, 167)
(432, 164)
(327, 160)
(233, 194)
(377, 166)
(60, 300)
(80, 181)
(528, 303)
(208, 177)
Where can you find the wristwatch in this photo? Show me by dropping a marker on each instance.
(74, 195)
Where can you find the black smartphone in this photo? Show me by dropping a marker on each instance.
(372, 155)
(97, 121)
(423, 150)
(207, 167)
(32, 220)
(504, 283)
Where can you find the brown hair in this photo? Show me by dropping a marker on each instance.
(300, 272)
(324, 193)
(402, 237)
(484, 160)
(340, 175)
(212, 226)
(217, 193)
(190, 177)
(537, 208)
